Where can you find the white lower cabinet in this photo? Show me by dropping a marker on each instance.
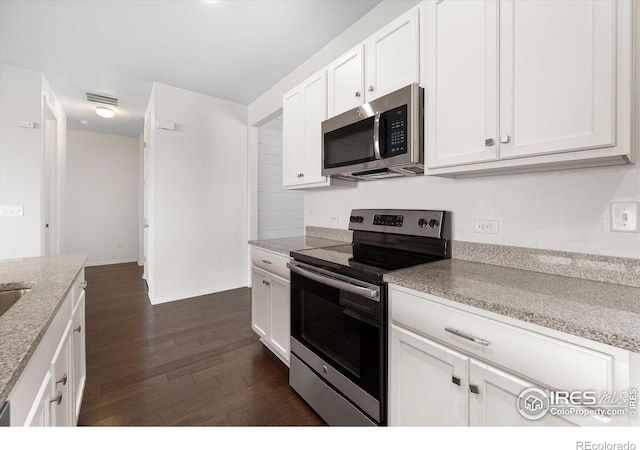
(454, 365)
(50, 389)
(270, 301)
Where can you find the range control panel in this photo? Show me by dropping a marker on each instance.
(409, 222)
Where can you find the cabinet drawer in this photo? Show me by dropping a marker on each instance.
(270, 261)
(546, 360)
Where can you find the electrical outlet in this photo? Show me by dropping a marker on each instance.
(11, 210)
(485, 226)
(333, 219)
(624, 216)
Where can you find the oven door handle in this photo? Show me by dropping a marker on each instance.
(373, 294)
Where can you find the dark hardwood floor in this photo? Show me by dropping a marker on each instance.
(190, 362)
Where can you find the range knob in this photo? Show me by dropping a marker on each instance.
(359, 219)
(424, 223)
(356, 219)
(352, 219)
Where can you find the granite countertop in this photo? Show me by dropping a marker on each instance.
(25, 323)
(603, 312)
(286, 245)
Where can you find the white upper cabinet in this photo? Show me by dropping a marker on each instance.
(393, 56)
(387, 61)
(557, 72)
(461, 82)
(516, 86)
(304, 109)
(346, 82)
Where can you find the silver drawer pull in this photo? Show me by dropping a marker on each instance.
(266, 262)
(79, 329)
(466, 336)
(474, 389)
(83, 285)
(57, 399)
(455, 380)
(62, 380)
(489, 142)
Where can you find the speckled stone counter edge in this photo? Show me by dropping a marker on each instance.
(334, 234)
(625, 271)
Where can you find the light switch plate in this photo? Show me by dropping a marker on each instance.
(624, 216)
(11, 210)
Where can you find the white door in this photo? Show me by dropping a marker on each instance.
(39, 414)
(315, 111)
(292, 138)
(50, 236)
(557, 79)
(393, 56)
(280, 325)
(428, 382)
(345, 79)
(61, 381)
(79, 363)
(461, 82)
(260, 302)
(146, 198)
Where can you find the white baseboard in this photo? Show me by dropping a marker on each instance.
(106, 263)
(186, 295)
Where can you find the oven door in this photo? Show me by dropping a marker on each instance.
(337, 329)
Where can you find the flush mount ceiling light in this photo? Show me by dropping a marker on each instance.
(105, 112)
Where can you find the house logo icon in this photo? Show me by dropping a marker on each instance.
(533, 403)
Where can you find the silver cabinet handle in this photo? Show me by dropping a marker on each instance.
(266, 283)
(57, 399)
(489, 143)
(146, 225)
(466, 336)
(474, 389)
(370, 89)
(83, 285)
(79, 329)
(266, 262)
(358, 94)
(62, 380)
(505, 139)
(455, 380)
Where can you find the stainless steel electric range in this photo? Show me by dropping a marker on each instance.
(339, 311)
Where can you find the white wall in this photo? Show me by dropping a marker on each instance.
(198, 213)
(280, 211)
(25, 95)
(102, 192)
(564, 210)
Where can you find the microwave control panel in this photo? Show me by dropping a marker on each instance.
(397, 140)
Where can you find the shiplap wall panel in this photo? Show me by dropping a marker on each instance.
(280, 212)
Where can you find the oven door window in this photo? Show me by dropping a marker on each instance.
(352, 144)
(341, 328)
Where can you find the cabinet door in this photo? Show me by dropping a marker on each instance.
(393, 56)
(280, 325)
(428, 382)
(461, 82)
(315, 111)
(557, 79)
(292, 138)
(61, 381)
(260, 302)
(39, 414)
(78, 350)
(345, 78)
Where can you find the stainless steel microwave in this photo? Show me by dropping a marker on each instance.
(380, 139)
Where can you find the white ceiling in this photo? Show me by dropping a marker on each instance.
(232, 49)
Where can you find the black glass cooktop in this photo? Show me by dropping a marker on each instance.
(360, 261)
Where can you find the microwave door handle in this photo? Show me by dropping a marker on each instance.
(376, 136)
(342, 285)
